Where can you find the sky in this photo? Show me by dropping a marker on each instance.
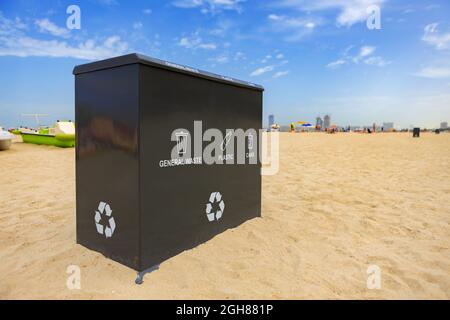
(313, 57)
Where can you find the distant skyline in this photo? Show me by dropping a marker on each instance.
(314, 57)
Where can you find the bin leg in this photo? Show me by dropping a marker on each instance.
(140, 275)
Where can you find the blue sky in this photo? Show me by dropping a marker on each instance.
(312, 57)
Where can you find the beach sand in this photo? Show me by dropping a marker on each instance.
(338, 204)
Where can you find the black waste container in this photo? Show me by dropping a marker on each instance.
(144, 190)
(416, 132)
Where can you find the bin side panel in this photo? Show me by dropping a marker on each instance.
(174, 199)
(106, 104)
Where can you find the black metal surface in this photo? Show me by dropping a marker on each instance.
(157, 63)
(124, 117)
(107, 159)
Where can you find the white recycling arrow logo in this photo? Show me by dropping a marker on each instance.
(215, 197)
(104, 212)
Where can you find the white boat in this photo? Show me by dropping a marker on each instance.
(5, 139)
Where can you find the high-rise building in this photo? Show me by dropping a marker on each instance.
(271, 120)
(444, 125)
(326, 121)
(388, 126)
(319, 122)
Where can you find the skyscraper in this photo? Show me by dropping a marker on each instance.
(271, 120)
(319, 122)
(326, 121)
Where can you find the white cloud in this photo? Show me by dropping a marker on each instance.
(296, 27)
(349, 11)
(88, 50)
(226, 57)
(46, 26)
(10, 27)
(261, 71)
(280, 74)
(222, 27)
(275, 17)
(276, 62)
(207, 46)
(15, 42)
(210, 6)
(409, 10)
(435, 38)
(376, 61)
(185, 42)
(434, 73)
(108, 2)
(336, 64)
(137, 25)
(290, 22)
(364, 51)
(188, 3)
(195, 42)
(220, 59)
(266, 58)
(239, 56)
(365, 54)
(147, 11)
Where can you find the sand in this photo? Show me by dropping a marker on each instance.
(338, 204)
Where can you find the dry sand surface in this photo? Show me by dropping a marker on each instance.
(338, 204)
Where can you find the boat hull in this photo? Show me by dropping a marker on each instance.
(48, 140)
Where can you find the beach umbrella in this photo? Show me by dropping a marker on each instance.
(306, 125)
(301, 122)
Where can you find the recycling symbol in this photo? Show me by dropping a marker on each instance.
(104, 213)
(215, 199)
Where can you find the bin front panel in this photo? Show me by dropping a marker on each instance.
(107, 162)
(174, 199)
